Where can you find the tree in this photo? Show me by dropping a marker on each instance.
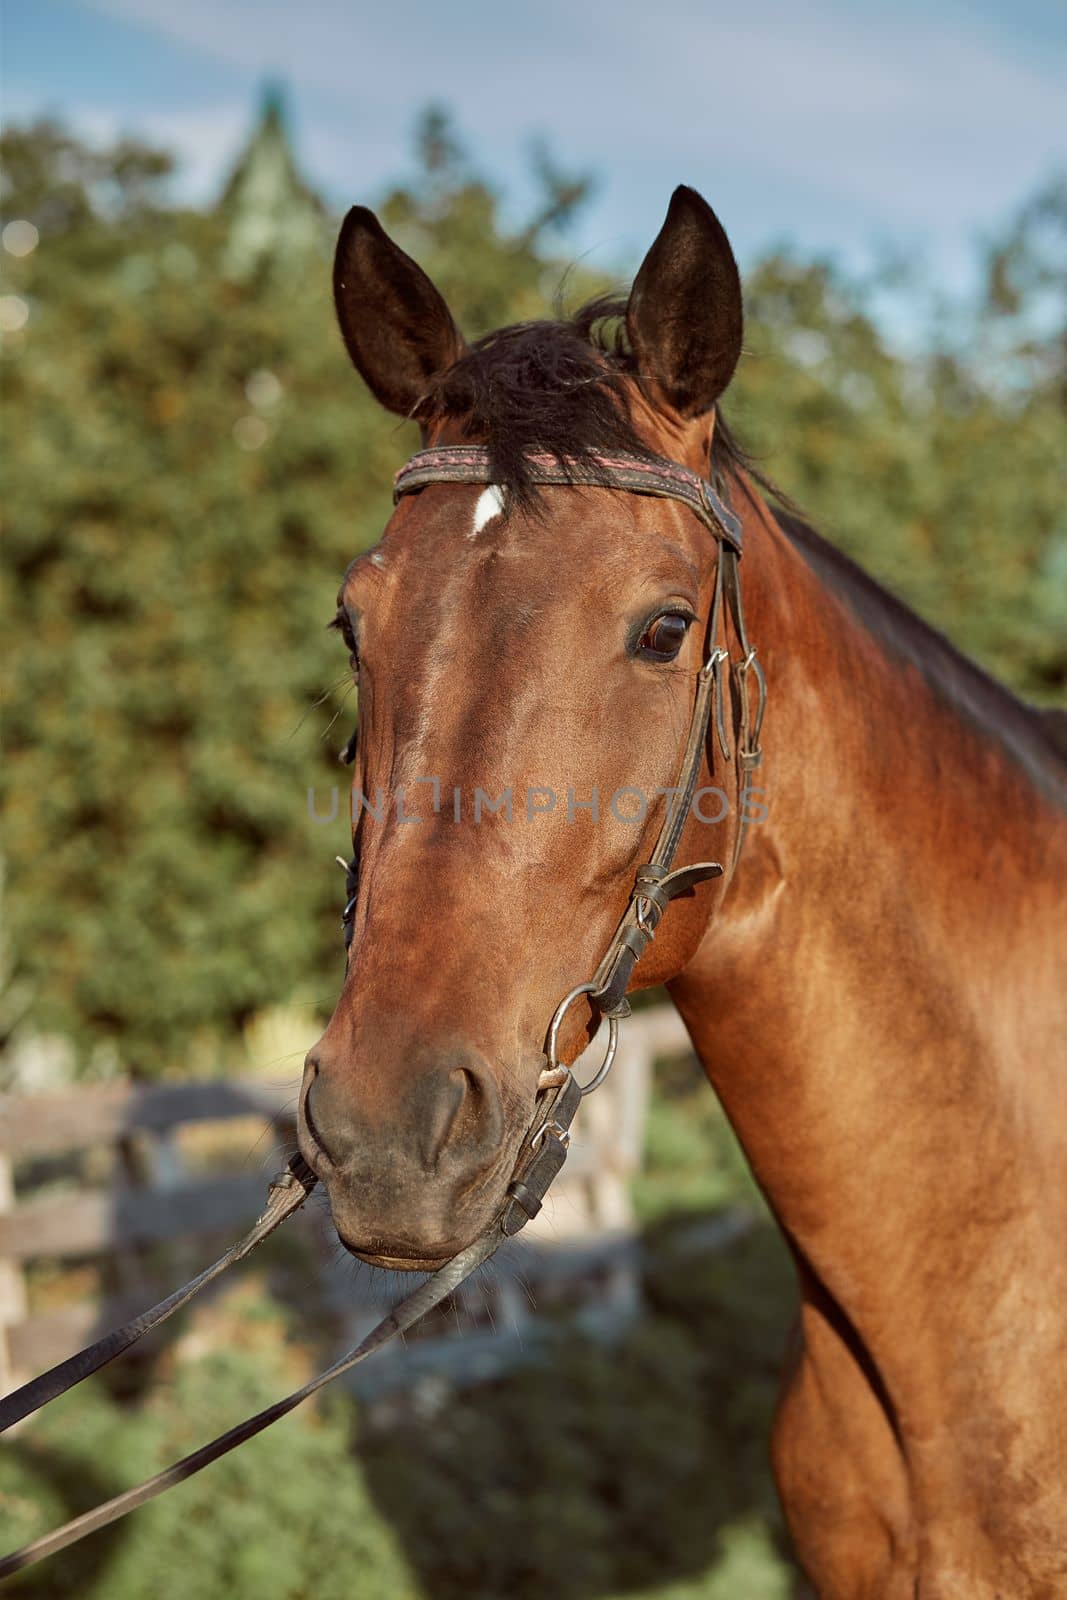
(198, 464)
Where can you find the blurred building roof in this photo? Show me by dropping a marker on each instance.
(275, 217)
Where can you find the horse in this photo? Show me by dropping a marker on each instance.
(871, 985)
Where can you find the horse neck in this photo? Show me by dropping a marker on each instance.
(858, 997)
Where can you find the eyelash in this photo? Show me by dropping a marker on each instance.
(343, 626)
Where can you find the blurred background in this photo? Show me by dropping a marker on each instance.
(191, 464)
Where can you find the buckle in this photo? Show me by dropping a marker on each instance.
(552, 1127)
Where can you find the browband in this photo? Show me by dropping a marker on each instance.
(654, 475)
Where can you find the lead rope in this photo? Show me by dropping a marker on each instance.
(541, 1157)
(285, 1195)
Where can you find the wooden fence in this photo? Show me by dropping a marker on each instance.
(151, 1197)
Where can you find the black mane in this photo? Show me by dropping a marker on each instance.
(553, 386)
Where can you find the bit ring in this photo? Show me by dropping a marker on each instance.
(553, 1037)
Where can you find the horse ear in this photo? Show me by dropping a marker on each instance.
(397, 328)
(684, 315)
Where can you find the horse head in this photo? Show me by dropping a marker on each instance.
(527, 657)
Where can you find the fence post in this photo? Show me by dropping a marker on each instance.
(13, 1301)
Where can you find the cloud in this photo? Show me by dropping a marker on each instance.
(816, 119)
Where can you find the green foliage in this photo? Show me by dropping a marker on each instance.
(692, 1161)
(243, 1529)
(594, 1471)
(606, 1469)
(176, 529)
(942, 476)
(197, 464)
(597, 1470)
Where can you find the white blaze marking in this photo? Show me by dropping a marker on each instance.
(490, 505)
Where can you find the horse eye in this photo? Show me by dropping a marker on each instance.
(663, 639)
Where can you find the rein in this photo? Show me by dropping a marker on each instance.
(656, 883)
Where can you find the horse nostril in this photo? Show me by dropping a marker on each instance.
(475, 1118)
(464, 1121)
(313, 1125)
(451, 1120)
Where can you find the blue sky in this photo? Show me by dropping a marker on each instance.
(841, 128)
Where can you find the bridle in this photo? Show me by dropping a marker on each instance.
(544, 1149)
(655, 884)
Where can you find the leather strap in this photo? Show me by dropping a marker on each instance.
(424, 1299)
(285, 1195)
(653, 475)
(542, 1155)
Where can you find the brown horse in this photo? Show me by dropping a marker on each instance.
(873, 989)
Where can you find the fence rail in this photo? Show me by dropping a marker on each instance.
(105, 1113)
(155, 1199)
